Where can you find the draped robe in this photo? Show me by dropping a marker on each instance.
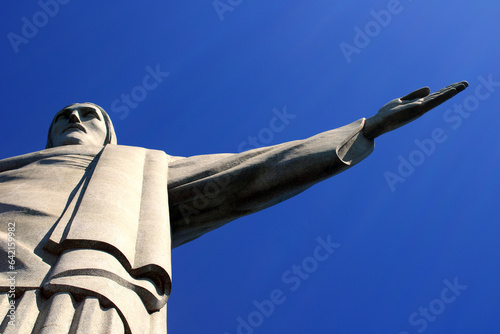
(94, 226)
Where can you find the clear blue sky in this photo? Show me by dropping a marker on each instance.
(403, 242)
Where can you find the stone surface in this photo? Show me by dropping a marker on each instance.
(95, 222)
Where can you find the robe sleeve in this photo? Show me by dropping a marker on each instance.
(208, 191)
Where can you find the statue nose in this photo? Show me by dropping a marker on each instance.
(74, 117)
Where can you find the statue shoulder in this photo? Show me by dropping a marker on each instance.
(26, 159)
(73, 150)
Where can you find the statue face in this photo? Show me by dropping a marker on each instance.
(79, 124)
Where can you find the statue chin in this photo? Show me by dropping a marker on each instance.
(75, 138)
(68, 141)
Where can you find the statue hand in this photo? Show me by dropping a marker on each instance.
(401, 111)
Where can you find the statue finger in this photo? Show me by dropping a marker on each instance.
(436, 99)
(418, 94)
(458, 86)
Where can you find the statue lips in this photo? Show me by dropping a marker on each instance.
(75, 126)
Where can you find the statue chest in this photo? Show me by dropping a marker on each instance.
(34, 196)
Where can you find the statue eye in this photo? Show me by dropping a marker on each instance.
(63, 115)
(89, 113)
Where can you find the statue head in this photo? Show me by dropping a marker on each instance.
(81, 124)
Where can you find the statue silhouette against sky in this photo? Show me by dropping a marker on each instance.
(92, 223)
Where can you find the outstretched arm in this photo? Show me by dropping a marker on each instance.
(408, 108)
(208, 191)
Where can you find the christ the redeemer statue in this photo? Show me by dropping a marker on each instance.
(87, 226)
